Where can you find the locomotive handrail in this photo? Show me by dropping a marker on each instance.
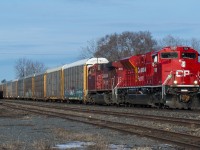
(164, 83)
(114, 90)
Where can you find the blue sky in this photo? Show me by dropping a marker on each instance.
(54, 31)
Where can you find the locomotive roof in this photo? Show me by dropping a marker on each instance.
(174, 48)
(177, 48)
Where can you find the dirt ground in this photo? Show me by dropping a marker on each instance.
(21, 130)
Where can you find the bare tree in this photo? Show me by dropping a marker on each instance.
(195, 44)
(108, 47)
(176, 41)
(116, 46)
(170, 41)
(25, 67)
(89, 50)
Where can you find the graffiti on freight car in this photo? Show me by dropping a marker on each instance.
(74, 94)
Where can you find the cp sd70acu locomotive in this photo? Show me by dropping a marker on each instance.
(169, 77)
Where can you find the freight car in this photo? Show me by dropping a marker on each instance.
(64, 83)
(169, 77)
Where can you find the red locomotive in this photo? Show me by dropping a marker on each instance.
(169, 77)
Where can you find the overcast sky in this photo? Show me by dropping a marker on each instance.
(54, 31)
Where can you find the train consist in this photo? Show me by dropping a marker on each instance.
(169, 77)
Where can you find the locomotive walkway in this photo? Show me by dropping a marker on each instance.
(181, 139)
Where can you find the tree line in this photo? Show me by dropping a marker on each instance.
(117, 46)
(25, 67)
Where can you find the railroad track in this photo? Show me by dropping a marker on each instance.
(163, 119)
(183, 140)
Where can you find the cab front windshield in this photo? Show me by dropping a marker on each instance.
(188, 55)
(169, 55)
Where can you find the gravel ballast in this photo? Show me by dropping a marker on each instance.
(29, 131)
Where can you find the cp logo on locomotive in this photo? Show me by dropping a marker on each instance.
(182, 73)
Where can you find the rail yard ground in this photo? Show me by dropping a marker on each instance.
(25, 130)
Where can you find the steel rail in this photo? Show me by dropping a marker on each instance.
(180, 139)
(164, 119)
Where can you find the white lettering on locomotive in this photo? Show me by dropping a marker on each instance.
(141, 70)
(182, 73)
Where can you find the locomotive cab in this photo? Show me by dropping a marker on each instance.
(180, 76)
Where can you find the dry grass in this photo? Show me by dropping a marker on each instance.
(100, 141)
(37, 145)
(142, 148)
(42, 145)
(45, 144)
(11, 146)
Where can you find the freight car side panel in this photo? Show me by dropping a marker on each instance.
(1, 87)
(9, 89)
(73, 82)
(20, 88)
(4, 90)
(53, 84)
(28, 87)
(39, 86)
(14, 89)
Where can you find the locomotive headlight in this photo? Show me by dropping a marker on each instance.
(195, 82)
(175, 82)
